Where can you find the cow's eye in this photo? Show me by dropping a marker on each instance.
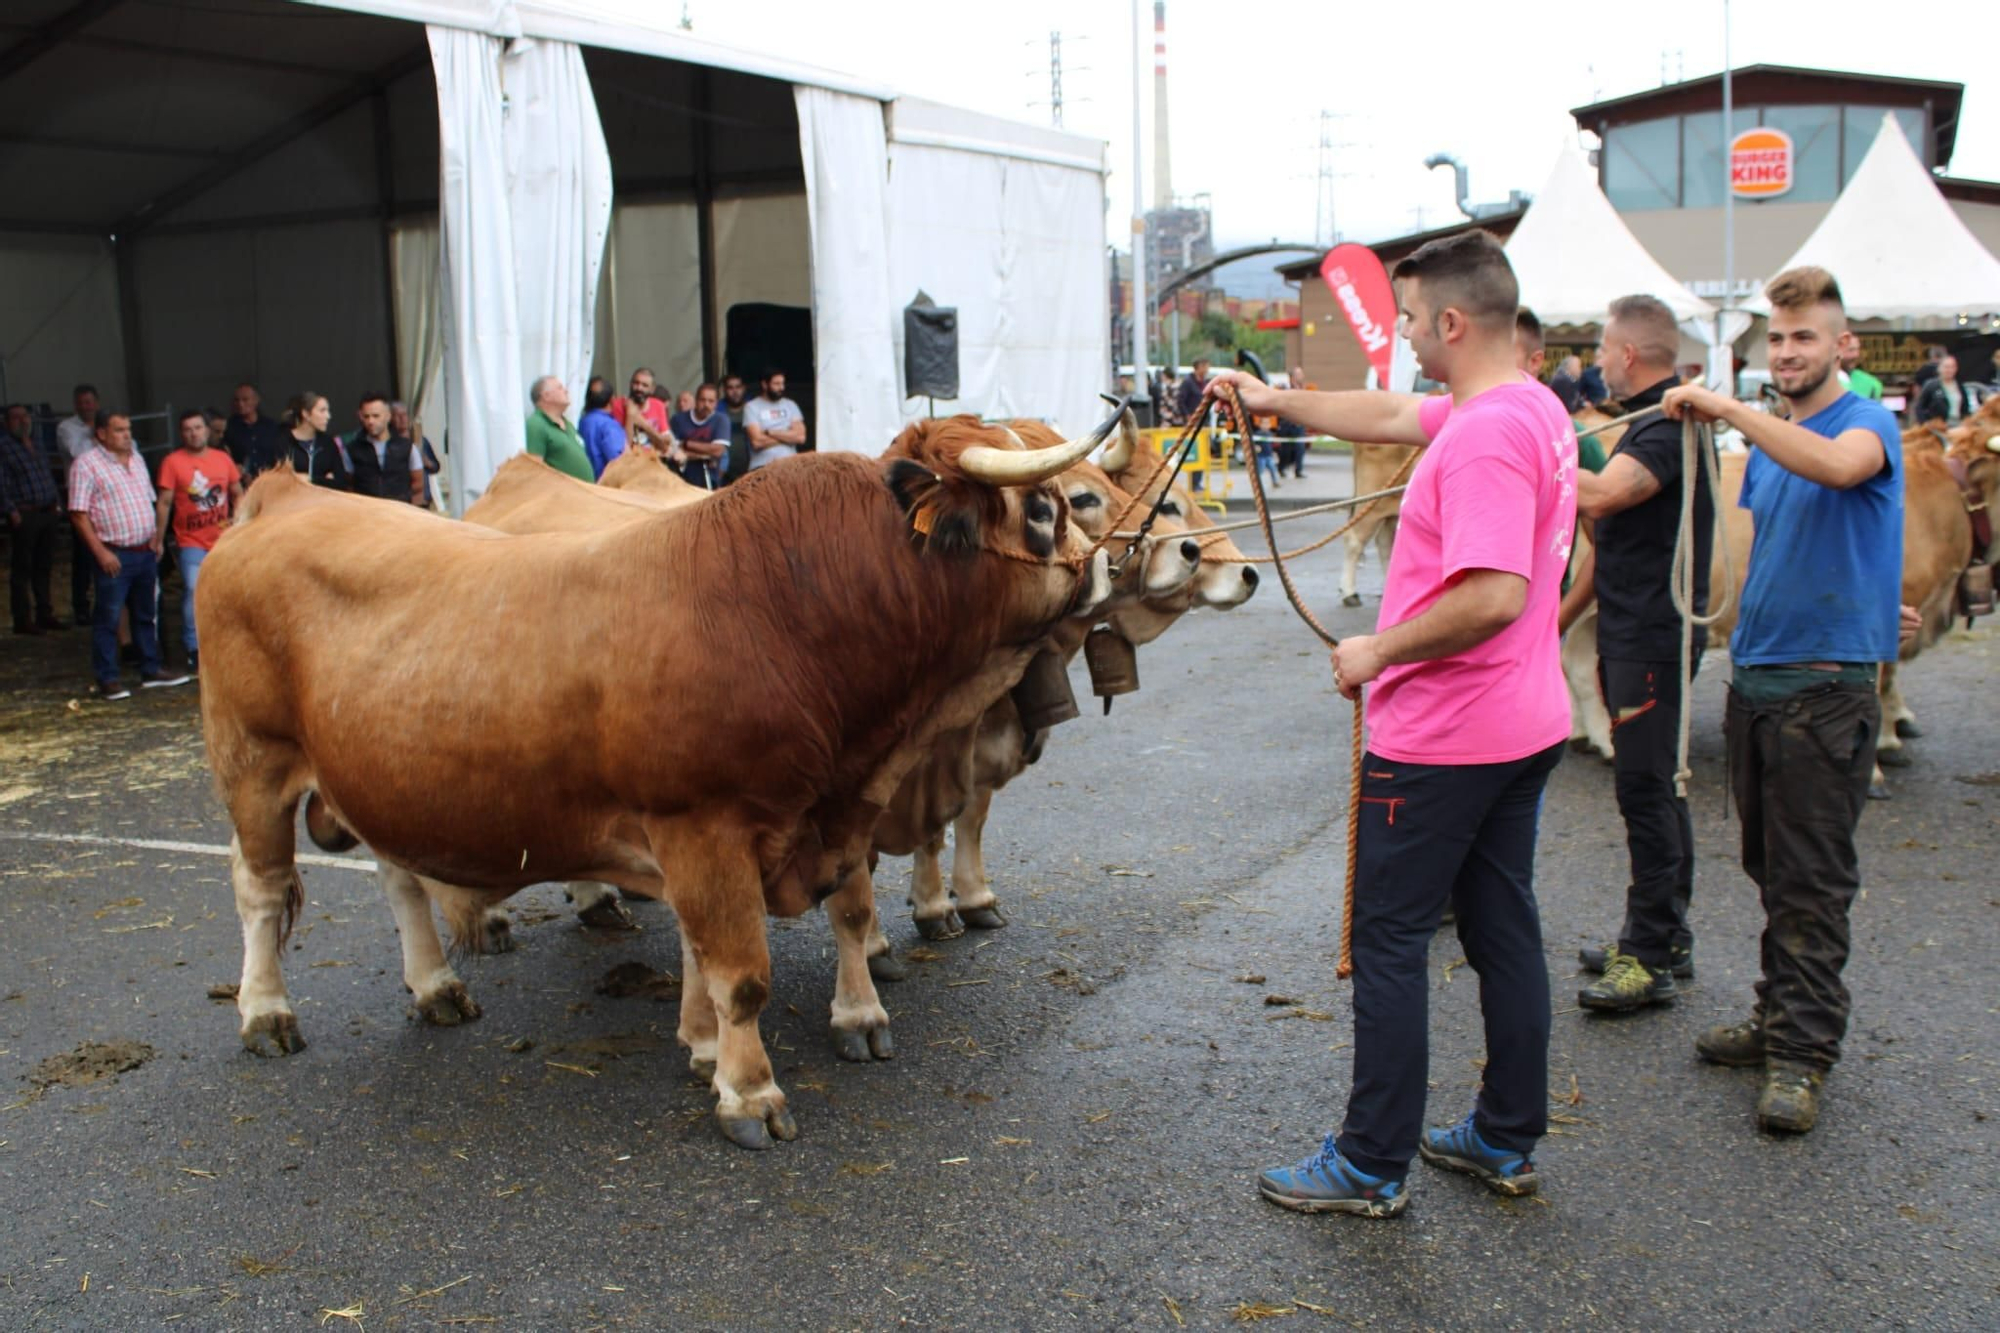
(1040, 510)
(1172, 507)
(1084, 500)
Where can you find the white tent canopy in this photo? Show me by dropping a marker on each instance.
(443, 198)
(1574, 255)
(1895, 245)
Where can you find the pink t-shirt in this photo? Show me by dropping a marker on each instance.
(1495, 490)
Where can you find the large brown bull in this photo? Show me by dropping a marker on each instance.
(455, 697)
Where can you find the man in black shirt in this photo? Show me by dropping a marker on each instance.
(254, 440)
(1636, 502)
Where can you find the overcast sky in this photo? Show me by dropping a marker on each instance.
(1490, 83)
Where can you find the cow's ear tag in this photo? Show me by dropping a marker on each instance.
(924, 517)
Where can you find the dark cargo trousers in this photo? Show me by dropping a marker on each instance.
(1432, 833)
(1644, 700)
(1799, 767)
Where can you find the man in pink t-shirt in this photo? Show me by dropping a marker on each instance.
(1467, 717)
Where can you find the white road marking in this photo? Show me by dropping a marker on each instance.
(199, 848)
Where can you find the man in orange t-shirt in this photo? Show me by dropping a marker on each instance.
(199, 489)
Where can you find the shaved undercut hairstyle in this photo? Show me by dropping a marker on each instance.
(1529, 325)
(1468, 272)
(1803, 287)
(1650, 327)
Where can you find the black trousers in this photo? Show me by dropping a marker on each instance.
(1644, 700)
(83, 573)
(33, 563)
(1432, 833)
(1799, 767)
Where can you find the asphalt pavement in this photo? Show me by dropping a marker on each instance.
(1069, 1132)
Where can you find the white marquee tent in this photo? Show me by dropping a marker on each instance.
(1896, 246)
(1574, 255)
(448, 197)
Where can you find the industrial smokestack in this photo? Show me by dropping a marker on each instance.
(1163, 176)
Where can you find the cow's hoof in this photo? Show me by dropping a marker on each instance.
(1580, 745)
(946, 927)
(1896, 758)
(744, 1131)
(755, 1133)
(860, 1045)
(1878, 791)
(702, 1067)
(608, 913)
(1352, 599)
(500, 934)
(1908, 729)
(885, 966)
(982, 918)
(273, 1034)
(632, 897)
(448, 1007)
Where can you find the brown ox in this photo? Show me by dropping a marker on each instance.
(958, 790)
(645, 470)
(1376, 467)
(454, 696)
(526, 495)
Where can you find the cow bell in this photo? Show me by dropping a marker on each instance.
(1113, 663)
(1043, 696)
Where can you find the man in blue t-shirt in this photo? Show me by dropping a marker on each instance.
(703, 433)
(1820, 613)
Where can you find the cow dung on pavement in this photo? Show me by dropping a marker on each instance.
(87, 1064)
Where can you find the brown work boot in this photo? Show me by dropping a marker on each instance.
(1738, 1044)
(1790, 1102)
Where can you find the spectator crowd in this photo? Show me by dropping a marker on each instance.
(88, 478)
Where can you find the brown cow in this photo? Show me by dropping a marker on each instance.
(645, 470)
(862, 607)
(529, 496)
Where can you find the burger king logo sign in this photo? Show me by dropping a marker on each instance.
(1760, 164)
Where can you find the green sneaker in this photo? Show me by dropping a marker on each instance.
(1738, 1044)
(1627, 984)
(1790, 1102)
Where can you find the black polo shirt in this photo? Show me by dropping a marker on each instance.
(1636, 620)
(255, 445)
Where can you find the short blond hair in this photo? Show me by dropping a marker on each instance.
(1803, 287)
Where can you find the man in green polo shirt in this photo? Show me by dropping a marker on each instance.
(551, 437)
(1859, 382)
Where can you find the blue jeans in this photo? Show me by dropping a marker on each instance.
(1267, 461)
(1432, 833)
(135, 585)
(190, 560)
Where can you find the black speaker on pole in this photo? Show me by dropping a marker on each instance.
(930, 349)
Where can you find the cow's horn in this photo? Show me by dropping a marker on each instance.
(1123, 445)
(1026, 467)
(1993, 443)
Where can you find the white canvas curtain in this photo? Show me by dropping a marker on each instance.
(559, 194)
(524, 208)
(1015, 246)
(417, 276)
(481, 334)
(845, 150)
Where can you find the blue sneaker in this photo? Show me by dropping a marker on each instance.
(1326, 1182)
(1460, 1148)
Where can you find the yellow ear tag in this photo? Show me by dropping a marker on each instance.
(924, 517)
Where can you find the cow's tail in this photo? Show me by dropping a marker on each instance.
(327, 832)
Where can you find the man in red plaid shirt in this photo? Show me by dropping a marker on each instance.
(111, 504)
